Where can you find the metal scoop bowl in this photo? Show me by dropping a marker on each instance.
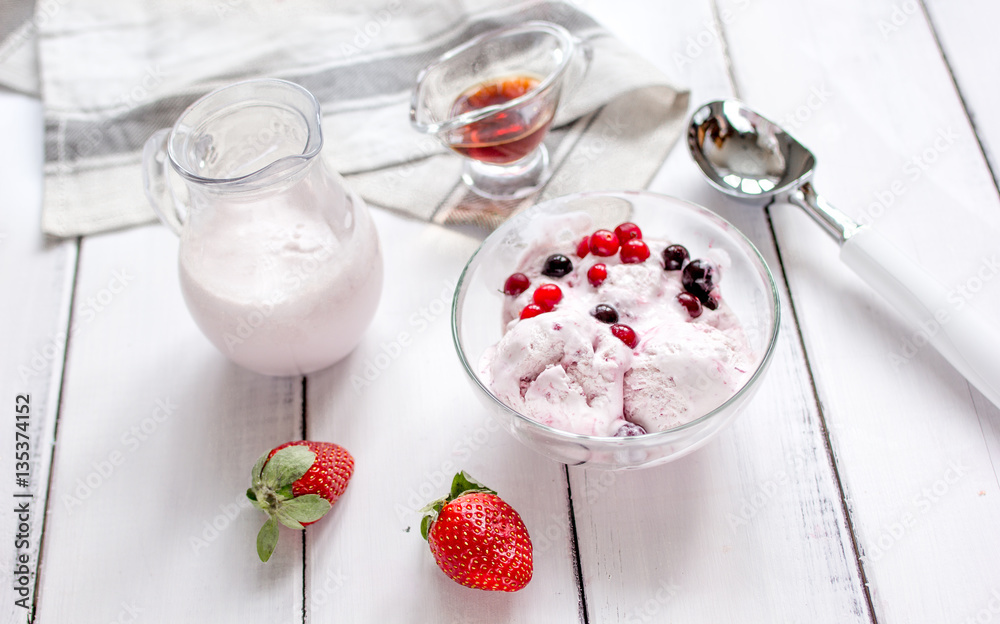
(748, 157)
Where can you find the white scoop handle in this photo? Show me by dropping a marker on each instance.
(945, 321)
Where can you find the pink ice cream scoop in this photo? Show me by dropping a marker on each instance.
(610, 334)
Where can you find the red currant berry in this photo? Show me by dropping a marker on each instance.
(626, 334)
(690, 302)
(583, 247)
(604, 243)
(597, 274)
(628, 231)
(547, 296)
(634, 252)
(516, 284)
(531, 310)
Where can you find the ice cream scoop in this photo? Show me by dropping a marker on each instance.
(750, 158)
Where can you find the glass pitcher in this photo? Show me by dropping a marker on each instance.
(280, 264)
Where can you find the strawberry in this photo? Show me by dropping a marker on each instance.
(477, 539)
(296, 484)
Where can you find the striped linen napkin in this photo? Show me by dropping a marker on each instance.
(114, 72)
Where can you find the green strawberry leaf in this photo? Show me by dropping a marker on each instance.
(287, 466)
(267, 539)
(285, 493)
(253, 499)
(307, 508)
(425, 526)
(286, 519)
(256, 470)
(463, 483)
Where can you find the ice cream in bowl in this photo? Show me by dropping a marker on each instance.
(615, 329)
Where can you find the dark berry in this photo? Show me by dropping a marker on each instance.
(557, 265)
(629, 430)
(547, 296)
(634, 252)
(516, 284)
(604, 243)
(583, 247)
(698, 278)
(626, 334)
(674, 257)
(690, 302)
(712, 300)
(627, 231)
(530, 310)
(605, 314)
(597, 274)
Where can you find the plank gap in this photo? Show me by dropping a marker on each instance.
(824, 430)
(302, 428)
(305, 615)
(304, 414)
(585, 618)
(961, 95)
(55, 428)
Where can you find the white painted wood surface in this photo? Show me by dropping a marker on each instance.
(759, 526)
(965, 31)
(915, 449)
(37, 280)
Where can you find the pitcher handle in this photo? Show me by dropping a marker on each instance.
(159, 192)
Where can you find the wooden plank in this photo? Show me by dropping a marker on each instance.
(751, 527)
(965, 32)
(37, 278)
(915, 446)
(401, 404)
(148, 518)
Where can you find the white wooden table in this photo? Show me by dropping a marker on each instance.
(859, 486)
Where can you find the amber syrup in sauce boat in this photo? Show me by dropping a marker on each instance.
(507, 136)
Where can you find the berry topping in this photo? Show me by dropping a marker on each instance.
(626, 334)
(629, 430)
(597, 274)
(605, 314)
(674, 257)
(690, 302)
(699, 278)
(583, 247)
(712, 301)
(604, 243)
(547, 296)
(557, 265)
(628, 231)
(634, 252)
(530, 310)
(516, 284)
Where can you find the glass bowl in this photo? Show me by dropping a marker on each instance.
(747, 286)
